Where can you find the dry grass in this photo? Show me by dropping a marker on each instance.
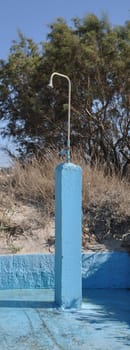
(34, 182)
(105, 198)
(100, 190)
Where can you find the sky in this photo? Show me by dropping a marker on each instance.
(32, 18)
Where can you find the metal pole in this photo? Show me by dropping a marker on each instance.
(69, 108)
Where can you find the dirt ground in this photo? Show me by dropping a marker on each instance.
(29, 232)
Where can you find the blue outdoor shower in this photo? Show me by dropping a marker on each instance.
(68, 214)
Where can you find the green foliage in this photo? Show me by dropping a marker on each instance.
(96, 57)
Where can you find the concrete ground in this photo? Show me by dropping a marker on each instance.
(29, 320)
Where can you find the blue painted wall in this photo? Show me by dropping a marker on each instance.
(26, 271)
(106, 270)
(99, 270)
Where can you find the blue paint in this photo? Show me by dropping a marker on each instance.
(106, 270)
(26, 271)
(30, 321)
(99, 270)
(68, 287)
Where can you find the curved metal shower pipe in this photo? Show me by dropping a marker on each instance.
(69, 107)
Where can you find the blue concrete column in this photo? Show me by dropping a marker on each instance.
(68, 214)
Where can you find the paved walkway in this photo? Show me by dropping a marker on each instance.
(30, 321)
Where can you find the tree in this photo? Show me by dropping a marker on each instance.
(96, 58)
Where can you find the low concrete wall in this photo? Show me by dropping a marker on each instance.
(106, 270)
(99, 270)
(26, 271)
